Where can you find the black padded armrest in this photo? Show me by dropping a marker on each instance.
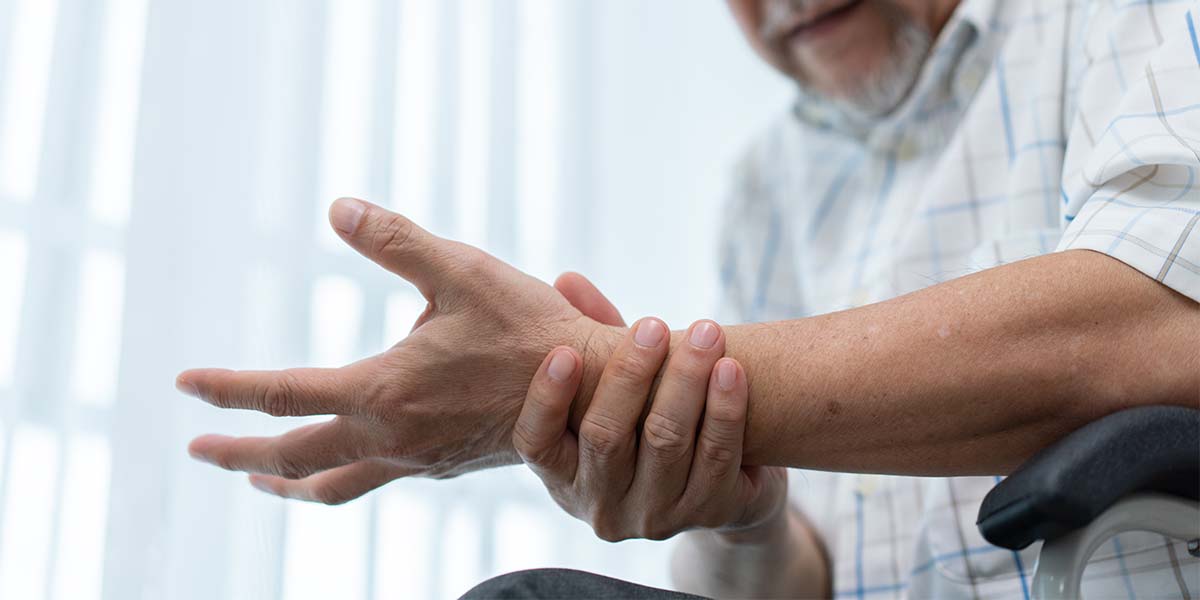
(1067, 485)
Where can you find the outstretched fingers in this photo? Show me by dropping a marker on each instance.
(294, 455)
(335, 486)
(286, 393)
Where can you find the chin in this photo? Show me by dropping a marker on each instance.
(843, 78)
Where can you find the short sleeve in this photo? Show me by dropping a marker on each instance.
(1130, 179)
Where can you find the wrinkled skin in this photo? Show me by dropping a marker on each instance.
(440, 403)
(681, 469)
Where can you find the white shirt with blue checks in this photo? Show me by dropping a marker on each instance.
(1036, 126)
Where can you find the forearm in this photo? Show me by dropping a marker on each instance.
(786, 560)
(970, 376)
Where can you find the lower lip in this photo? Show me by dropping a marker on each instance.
(826, 24)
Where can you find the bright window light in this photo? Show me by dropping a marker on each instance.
(403, 309)
(98, 327)
(28, 513)
(406, 534)
(523, 538)
(462, 552)
(266, 322)
(117, 109)
(23, 107)
(474, 97)
(82, 521)
(539, 116)
(416, 116)
(348, 106)
(325, 551)
(12, 287)
(337, 309)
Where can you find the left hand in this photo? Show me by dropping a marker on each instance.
(680, 470)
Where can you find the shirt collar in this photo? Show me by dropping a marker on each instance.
(978, 13)
(953, 72)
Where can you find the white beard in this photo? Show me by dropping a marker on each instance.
(884, 90)
(881, 92)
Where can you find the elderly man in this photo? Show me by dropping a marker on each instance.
(975, 231)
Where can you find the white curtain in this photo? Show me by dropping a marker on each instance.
(165, 167)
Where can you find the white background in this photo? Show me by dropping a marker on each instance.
(165, 167)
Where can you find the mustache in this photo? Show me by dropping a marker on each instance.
(780, 17)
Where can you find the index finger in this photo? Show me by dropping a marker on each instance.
(286, 393)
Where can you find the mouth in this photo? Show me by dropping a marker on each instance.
(809, 27)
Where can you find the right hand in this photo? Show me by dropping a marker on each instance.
(439, 403)
(680, 470)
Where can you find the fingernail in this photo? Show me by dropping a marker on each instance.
(562, 364)
(345, 214)
(187, 387)
(704, 335)
(649, 333)
(726, 375)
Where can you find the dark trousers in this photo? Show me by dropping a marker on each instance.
(548, 584)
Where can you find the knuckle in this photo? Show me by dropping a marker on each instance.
(225, 461)
(705, 510)
(690, 373)
(690, 365)
(718, 453)
(656, 528)
(527, 445)
(472, 260)
(278, 397)
(218, 398)
(666, 436)
(726, 419)
(331, 494)
(631, 369)
(381, 400)
(287, 467)
(393, 235)
(607, 530)
(602, 438)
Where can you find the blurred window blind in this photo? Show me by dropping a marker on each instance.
(450, 111)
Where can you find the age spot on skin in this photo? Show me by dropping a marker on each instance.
(834, 408)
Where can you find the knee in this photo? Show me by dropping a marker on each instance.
(519, 585)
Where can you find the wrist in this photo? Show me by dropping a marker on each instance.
(769, 530)
(596, 343)
(788, 561)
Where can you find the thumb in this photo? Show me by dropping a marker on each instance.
(395, 243)
(587, 299)
(540, 435)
